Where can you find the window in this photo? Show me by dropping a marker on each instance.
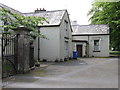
(66, 45)
(66, 28)
(96, 45)
(66, 49)
(66, 25)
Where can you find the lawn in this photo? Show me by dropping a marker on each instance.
(115, 52)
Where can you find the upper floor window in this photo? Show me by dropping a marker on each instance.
(96, 45)
(66, 28)
(66, 25)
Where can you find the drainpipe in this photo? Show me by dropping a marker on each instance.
(38, 45)
(88, 45)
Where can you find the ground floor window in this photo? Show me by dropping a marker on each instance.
(66, 48)
(96, 45)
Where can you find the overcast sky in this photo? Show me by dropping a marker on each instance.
(77, 9)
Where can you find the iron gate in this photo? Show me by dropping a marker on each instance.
(31, 63)
(8, 55)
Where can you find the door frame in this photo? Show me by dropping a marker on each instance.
(81, 52)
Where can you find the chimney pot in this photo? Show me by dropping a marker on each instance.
(40, 10)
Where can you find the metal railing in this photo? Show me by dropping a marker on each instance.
(8, 55)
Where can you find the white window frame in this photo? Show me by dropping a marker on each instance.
(97, 47)
(66, 48)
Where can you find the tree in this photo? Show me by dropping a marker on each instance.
(107, 13)
(12, 20)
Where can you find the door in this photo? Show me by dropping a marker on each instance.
(66, 48)
(79, 50)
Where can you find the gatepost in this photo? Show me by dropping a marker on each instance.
(22, 49)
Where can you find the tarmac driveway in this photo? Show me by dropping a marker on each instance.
(81, 73)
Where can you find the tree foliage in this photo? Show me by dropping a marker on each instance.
(107, 13)
(12, 20)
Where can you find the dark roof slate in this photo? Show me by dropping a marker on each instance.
(53, 17)
(90, 29)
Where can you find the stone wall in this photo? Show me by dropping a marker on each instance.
(22, 50)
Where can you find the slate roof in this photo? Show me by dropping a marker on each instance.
(90, 29)
(53, 17)
(9, 8)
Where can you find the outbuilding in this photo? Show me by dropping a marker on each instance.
(91, 40)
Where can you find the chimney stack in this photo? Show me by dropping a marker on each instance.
(74, 22)
(40, 10)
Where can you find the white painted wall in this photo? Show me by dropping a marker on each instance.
(104, 46)
(62, 38)
(49, 49)
(84, 38)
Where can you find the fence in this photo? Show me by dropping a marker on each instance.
(8, 55)
(17, 54)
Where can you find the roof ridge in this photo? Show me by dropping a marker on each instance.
(45, 11)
